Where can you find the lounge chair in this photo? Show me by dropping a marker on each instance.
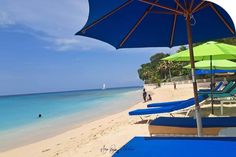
(187, 125)
(178, 147)
(167, 109)
(162, 104)
(230, 93)
(179, 101)
(215, 89)
(228, 87)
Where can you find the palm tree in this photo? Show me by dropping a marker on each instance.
(161, 68)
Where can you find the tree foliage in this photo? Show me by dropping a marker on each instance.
(231, 41)
(158, 70)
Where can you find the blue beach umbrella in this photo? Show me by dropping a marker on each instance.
(158, 23)
(215, 71)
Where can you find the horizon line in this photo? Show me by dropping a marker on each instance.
(73, 90)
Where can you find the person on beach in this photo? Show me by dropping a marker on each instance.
(149, 97)
(174, 86)
(225, 82)
(144, 95)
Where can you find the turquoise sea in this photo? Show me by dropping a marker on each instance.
(61, 111)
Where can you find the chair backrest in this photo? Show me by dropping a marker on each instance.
(218, 86)
(231, 88)
(228, 86)
(233, 92)
(188, 103)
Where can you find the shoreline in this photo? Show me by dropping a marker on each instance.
(104, 133)
(57, 122)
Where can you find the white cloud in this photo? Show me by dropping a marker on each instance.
(67, 41)
(75, 43)
(63, 44)
(5, 20)
(55, 21)
(55, 17)
(59, 20)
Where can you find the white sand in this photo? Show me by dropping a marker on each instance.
(101, 137)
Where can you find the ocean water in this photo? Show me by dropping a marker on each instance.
(19, 122)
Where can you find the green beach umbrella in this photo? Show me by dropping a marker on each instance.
(208, 51)
(216, 64)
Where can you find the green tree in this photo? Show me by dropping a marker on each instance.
(181, 48)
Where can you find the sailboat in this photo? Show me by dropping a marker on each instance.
(103, 86)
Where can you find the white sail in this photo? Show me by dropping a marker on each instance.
(104, 86)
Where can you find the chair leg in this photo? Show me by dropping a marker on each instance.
(141, 118)
(188, 113)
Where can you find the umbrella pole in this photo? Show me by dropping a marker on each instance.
(197, 106)
(212, 107)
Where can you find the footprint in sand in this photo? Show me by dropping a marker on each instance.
(102, 133)
(72, 138)
(45, 150)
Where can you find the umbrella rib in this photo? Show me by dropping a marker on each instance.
(191, 5)
(164, 12)
(106, 16)
(161, 6)
(178, 4)
(222, 18)
(203, 6)
(136, 25)
(185, 4)
(196, 8)
(173, 28)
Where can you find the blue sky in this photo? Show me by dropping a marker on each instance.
(39, 52)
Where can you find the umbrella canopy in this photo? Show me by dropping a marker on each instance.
(158, 23)
(216, 71)
(216, 64)
(206, 51)
(155, 23)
